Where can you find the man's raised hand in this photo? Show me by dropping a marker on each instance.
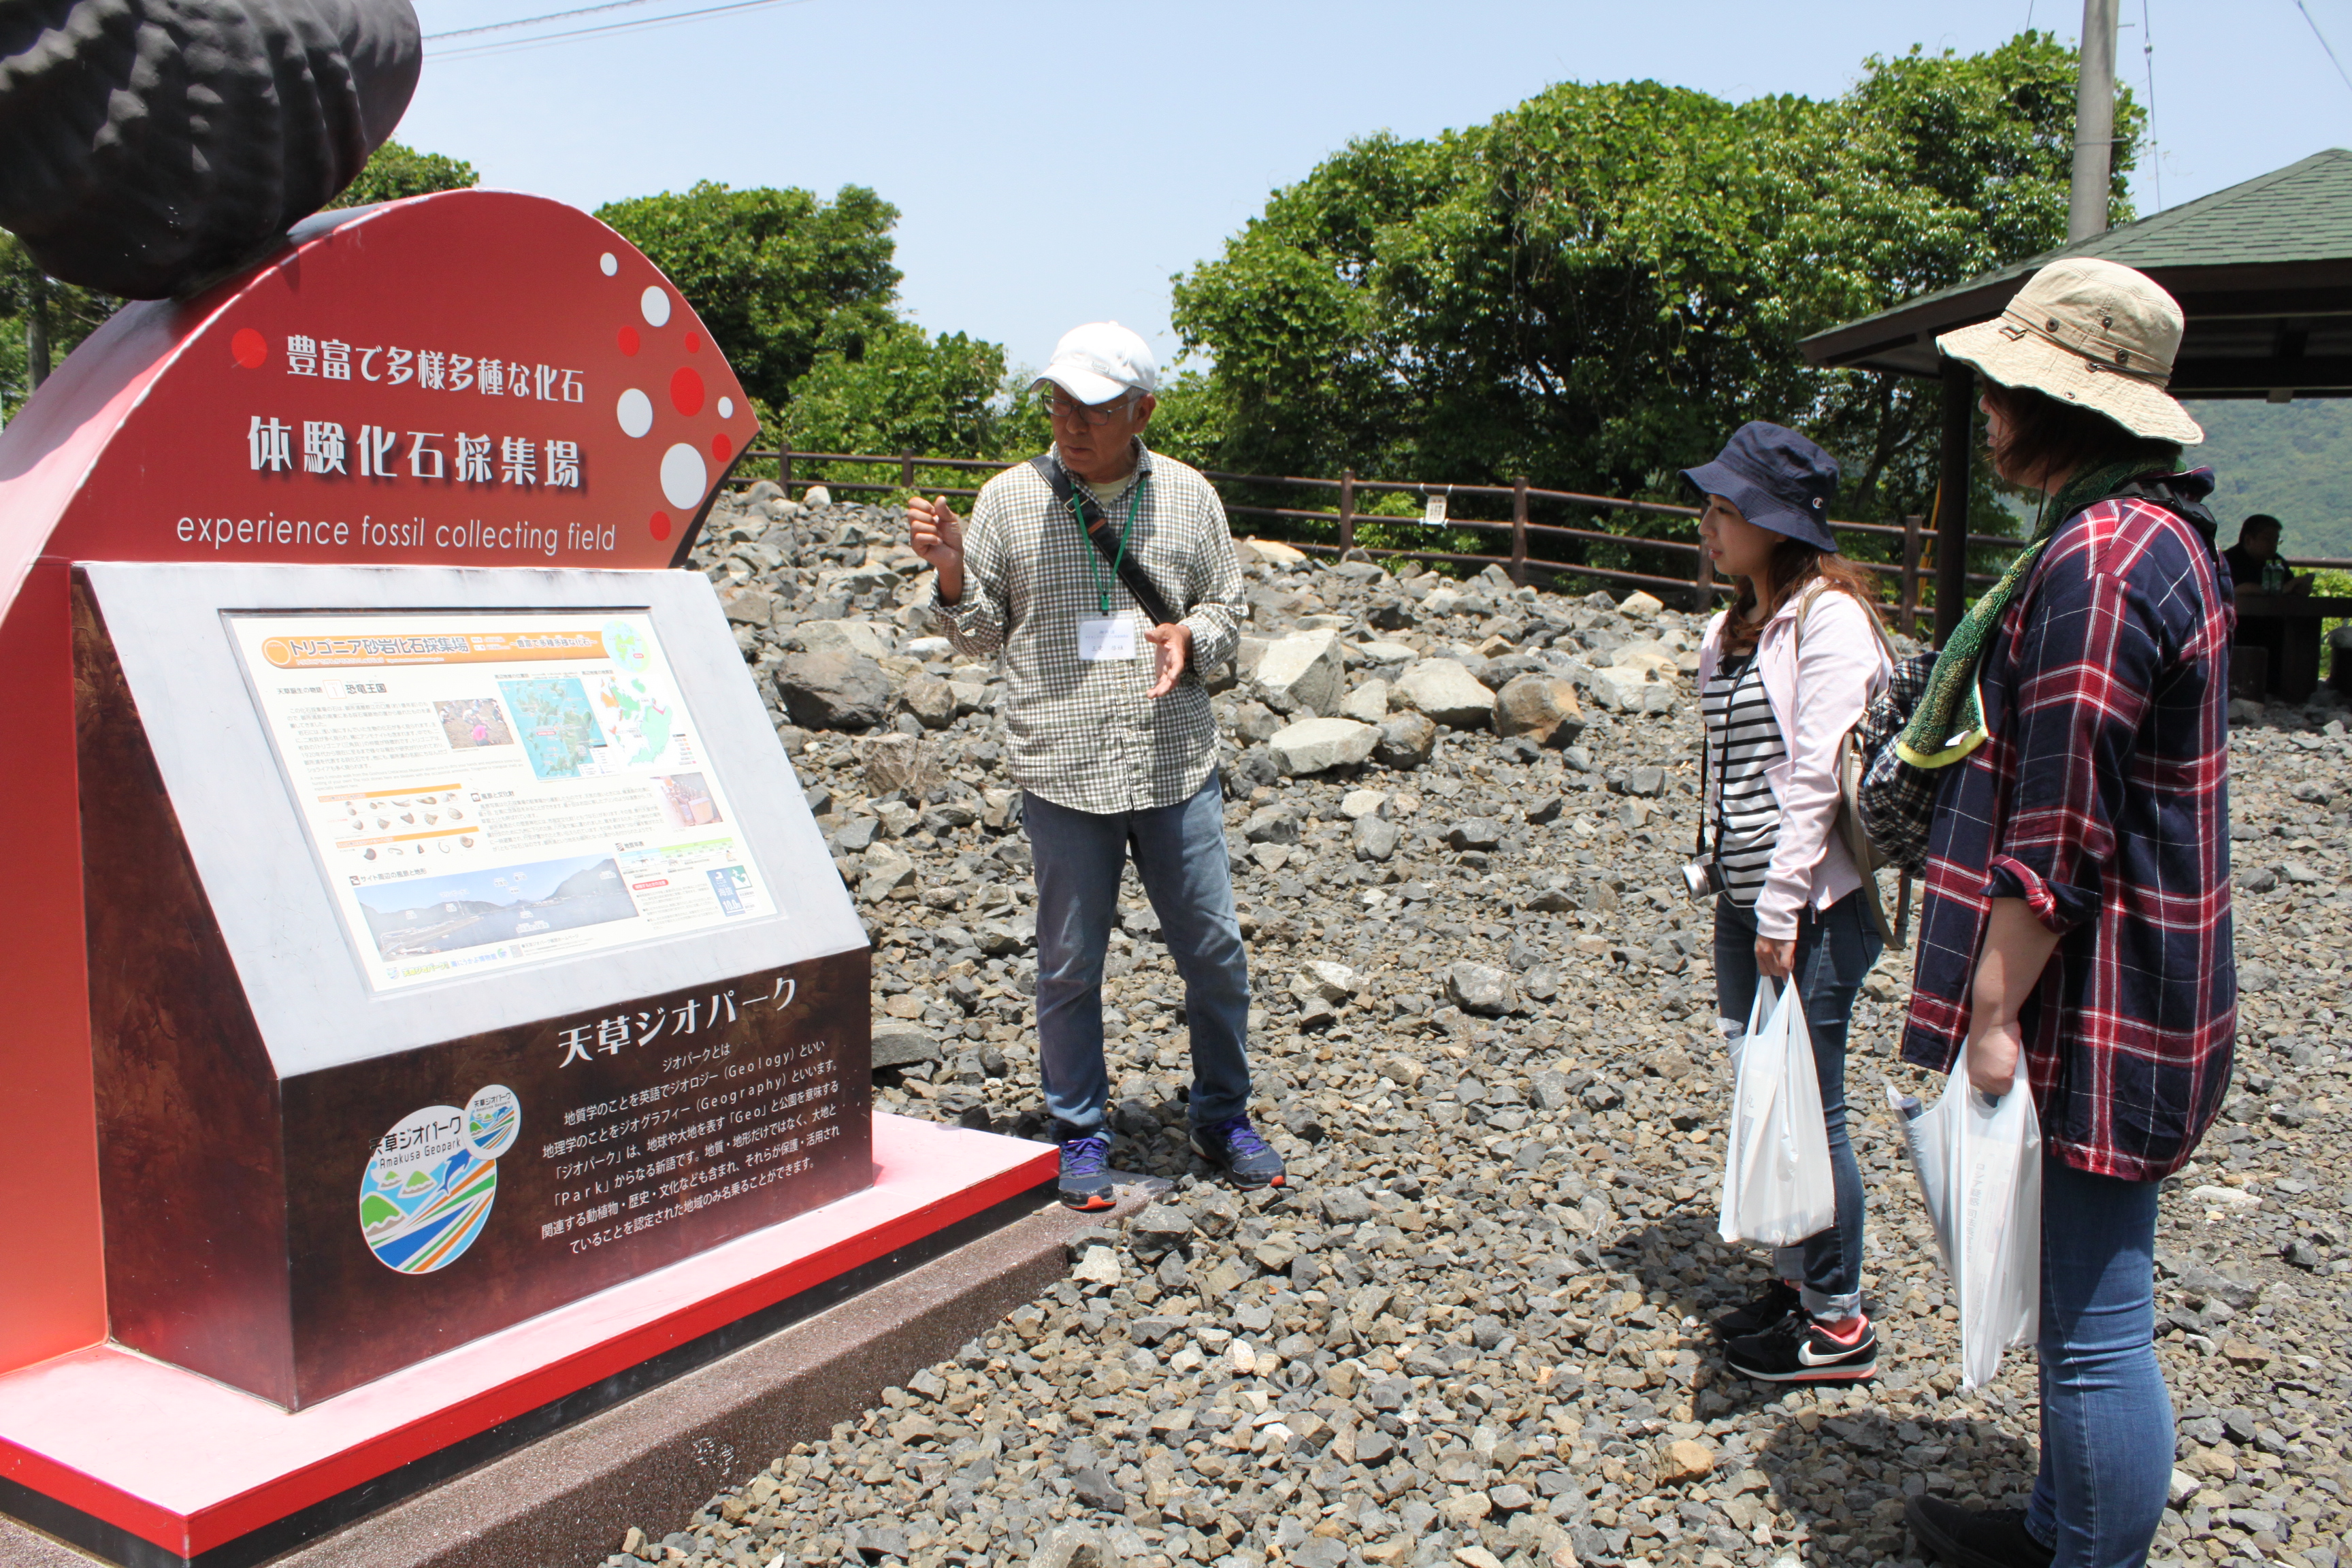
(936, 534)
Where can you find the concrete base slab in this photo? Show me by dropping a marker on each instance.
(716, 1383)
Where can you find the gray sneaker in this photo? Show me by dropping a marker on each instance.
(1247, 1158)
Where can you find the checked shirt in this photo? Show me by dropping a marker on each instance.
(2100, 798)
(1085, 734)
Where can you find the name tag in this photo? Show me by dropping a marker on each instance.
(1106, 636)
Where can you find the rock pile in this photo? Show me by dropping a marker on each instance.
(1485, 1038)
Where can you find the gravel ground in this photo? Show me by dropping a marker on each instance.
(1471, 1330)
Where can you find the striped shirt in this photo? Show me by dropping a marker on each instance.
(1743, 739)
(1085, 734)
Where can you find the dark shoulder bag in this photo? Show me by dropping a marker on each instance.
(1895, 799)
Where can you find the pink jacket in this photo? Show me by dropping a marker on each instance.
(1815, 703)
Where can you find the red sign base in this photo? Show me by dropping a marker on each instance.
(124, 1446)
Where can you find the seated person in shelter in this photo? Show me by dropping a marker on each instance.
(2254, 561)
(2256, 567)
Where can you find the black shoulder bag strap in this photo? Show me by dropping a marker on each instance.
(1147, 594)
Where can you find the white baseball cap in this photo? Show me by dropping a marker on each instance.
(1101, 360)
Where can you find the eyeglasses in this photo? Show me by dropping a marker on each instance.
(1098, 414)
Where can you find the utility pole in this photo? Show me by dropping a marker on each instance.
(2095, 122)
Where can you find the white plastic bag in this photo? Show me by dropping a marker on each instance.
(1776, 1184)
(1980, 1167)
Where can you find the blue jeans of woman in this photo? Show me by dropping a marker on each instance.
(2107, 1420)
(1835, 948)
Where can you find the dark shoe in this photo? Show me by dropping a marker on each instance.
(1086, 1173)
(1779, 1299)
(1975, 1537)
(1797, 1350)
(1234, 1145)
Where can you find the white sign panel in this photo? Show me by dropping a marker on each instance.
(490, 788)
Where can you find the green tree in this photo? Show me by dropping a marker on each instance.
(41, 321)
(780, 276)
(395, 171)
(1595, 286)
(903, 391)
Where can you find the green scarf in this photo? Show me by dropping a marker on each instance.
(1948, 722)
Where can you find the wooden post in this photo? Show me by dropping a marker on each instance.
(1908, 617)
(1347, 512)
(784, 469)
(1519, 531)
(907, 470)
(1952, 498)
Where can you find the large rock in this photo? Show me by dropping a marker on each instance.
(1641, 606)
(1653, 657)
(889, 873)
(1373, 838)
(931, 701)
(1444, 690)
(896, 764)
(1632, 689)
(748, 603)
(1271, 825)
(899, 1043)
(834, 691)
(1406, 742)
(1331, 982)
(1368, 703)
(1543, 708)
(842, 637)
(1302, 672)
(1318, 745)
(1272, 551)
(1477, 988)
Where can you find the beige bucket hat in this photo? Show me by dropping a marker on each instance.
(2090, 332)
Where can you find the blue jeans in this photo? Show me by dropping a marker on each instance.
(1180, 854)
(1835, 948)
(2107, 1420)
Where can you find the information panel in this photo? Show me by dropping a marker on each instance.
(491, 788)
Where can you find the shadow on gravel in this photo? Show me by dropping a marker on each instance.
(1844, 1476)
(1679, 1254)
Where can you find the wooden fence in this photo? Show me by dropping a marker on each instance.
(1525, 557)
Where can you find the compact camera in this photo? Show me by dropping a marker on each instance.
(1702, 879)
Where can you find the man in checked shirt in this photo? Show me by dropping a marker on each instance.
(1113, 743)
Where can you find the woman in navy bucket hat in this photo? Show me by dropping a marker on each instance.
(1783, 674)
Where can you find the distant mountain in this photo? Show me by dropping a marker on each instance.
(427, 914)
(2293, 460)
(600, 880)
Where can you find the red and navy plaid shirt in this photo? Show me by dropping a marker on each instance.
(2101, 797)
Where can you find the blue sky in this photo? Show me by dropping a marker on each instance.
(1055, 161)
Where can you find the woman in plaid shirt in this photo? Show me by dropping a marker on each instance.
(2077, 914)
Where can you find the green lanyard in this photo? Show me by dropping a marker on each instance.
(1093, 556)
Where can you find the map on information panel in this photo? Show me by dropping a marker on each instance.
(490, 788)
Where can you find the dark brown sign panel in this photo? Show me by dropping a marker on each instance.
(424, 1212)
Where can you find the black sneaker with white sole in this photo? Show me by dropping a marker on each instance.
(1798, 1350)
(1777, 1301)
(1975, 1537)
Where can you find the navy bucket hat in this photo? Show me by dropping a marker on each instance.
(1777, 479)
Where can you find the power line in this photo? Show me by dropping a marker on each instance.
(2323, 42)
(532, 21)
(512, 46)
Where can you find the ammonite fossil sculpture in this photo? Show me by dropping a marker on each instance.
(148, 146)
